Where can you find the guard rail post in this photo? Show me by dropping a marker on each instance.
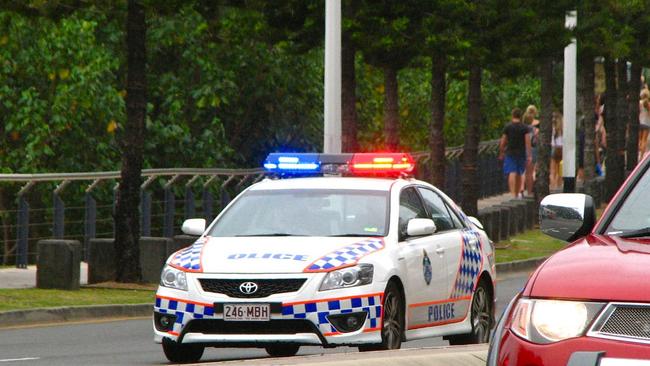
(208, 199)
(145, 207)
(190, 209)
(170, 208)
(190, 203)
(168, 221)
(224, 195)
(59, 211)
(22, 231)
(90, 221)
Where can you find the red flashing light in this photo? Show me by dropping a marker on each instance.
(381, 163)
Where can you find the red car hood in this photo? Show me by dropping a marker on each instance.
(597, 268)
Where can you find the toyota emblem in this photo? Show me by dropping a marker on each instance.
(248, 288)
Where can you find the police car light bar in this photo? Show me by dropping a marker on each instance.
(292, 163)
(382, 163)
(306, 164)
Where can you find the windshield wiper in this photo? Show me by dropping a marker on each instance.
(271, 234)
(636, 233)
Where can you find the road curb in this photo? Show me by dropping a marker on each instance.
(519, 266)
(72, 313)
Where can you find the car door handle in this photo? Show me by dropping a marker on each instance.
(440, 250)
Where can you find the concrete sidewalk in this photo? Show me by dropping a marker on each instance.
(472, 355)
(26, 277)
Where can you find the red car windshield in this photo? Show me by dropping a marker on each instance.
(634, 213)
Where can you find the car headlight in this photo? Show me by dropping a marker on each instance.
(174, 278)
(348, 277)
(549, 321)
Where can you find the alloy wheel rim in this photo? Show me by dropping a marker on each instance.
(481, 316)
(391, 330)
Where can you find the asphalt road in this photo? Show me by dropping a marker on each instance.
(130, 342)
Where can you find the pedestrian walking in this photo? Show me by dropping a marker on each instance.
(515, 151)
(556, 151)
(600, 138)
(644, 121)
(530, 120)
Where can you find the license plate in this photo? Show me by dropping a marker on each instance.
(247, 312)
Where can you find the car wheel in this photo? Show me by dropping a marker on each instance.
(182, 353)
(481, 318)
(282, 350)
(392, 322)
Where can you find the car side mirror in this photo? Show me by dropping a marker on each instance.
(193, 227)
(420, 227)
(567, 216)
(476, 222)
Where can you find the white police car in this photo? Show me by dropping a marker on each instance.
(370, 257)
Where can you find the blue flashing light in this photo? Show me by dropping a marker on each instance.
(293, 163)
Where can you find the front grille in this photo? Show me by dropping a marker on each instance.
(265, 287)
(218, 326)
(628, 321)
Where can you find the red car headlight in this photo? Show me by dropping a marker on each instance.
(548, 321)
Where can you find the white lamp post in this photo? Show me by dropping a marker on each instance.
(569, 108)
(332, 100)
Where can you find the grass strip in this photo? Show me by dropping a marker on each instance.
(529, 244)
(31, 298)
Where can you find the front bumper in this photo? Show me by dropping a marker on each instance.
(298, 318)
(582, 351)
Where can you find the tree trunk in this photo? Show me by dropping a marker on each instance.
(437, 137)
(469, 179)
(589, 125)
(545, 130)
(612, 177)
(622, 116)
(633, 119)
(127, 223)
(5, 228)
(348, 96)
(391, 108)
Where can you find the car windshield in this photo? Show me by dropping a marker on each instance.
(633, 214)
(302, 212)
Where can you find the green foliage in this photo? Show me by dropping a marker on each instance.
(226, 84)
(56, 88)
(500, 96)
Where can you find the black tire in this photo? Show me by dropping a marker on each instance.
(481, 319)
(182, 353)
(282, 350)
(392, 328)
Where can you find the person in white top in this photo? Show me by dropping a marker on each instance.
(556, 151)
(644, 121)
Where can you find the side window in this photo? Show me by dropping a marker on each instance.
(410, 207)
(454, 217)
(438, 211)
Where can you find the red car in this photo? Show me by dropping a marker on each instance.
(589, 304)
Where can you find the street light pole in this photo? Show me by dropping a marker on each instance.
(332, 99)
(569, 108)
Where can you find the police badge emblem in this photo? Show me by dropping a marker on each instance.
(426, 267)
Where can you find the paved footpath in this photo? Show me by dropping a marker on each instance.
(26, 277)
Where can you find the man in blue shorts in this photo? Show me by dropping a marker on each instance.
(515, 150)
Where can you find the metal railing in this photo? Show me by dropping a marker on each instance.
(217, 186)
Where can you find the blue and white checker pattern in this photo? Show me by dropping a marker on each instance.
(190, 257)
(184, 311)
(346, 256)
(318, 311)
(470, 265)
